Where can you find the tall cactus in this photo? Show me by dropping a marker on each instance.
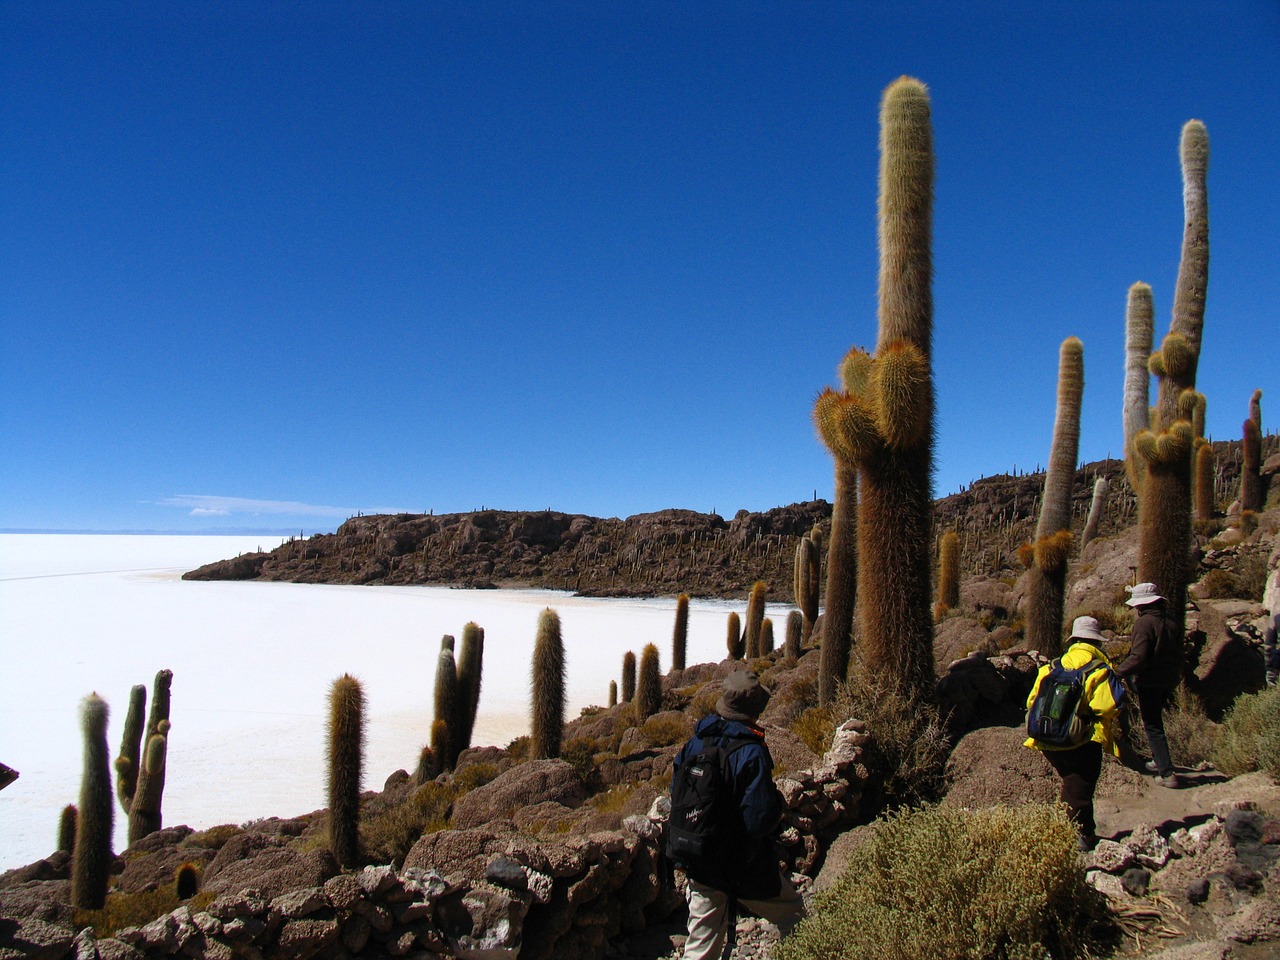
(346, 768)
(948, 573)
(1255, 409)
(1165, 450)
(842, 550)
(613, 693)
(885, 417)
(755, 617)
(91, 857)
(140, 766)
(1096, 509)
(470, 669)
(733, 636)
(628, 676)
(548, 687)
(1139, 329)
(795, 635)
(1205, 504)
(680, 633)
(446, 704)
(1047, 578)
(806, 584)
(1250, 468)
(649, 686)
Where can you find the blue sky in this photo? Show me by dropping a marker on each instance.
(265, 265)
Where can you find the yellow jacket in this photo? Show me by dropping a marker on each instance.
(1103, 691)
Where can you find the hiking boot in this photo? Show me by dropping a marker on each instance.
(1170, 781)
(1150, 767)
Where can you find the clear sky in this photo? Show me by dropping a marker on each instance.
(264, 265)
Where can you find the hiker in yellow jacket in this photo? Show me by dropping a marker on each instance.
(1081, 766)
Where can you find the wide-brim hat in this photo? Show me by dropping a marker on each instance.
(742, 697)
(1142, 594)
(1086, 628)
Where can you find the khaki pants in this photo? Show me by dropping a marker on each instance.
(709, 914)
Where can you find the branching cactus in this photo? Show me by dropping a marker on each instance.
(733, 636)
(649, 686)
(548, 687)
(795, 634)
(1139, 329)
(1096, 510)
(346, 768)
(470, 669)
(883, 421)
(806, 584)
(948, 573)
(755, 618)
(680, 633)
(1047, 578)
(91, 857)
(628, 676)
(447, 705)
(1165, 450)
(140, 766)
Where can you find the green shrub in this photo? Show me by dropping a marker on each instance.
(473, 775)
(580, 753)
(997, 884)
(1192, 735)
(665, 729)
(1250, 738)
(215, 837)
(387, 837)
(136, 909)
(816, 728)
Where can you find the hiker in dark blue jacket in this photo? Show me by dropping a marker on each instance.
(750, 875)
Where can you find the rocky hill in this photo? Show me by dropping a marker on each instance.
(670, 551)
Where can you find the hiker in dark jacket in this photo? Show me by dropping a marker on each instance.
(1154, 665)
(750, 877)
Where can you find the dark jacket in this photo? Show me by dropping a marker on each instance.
(758, 811)
(1155, 655)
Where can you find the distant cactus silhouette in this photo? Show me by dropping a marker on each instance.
(548, 687)
(1096, 509)
(948, 572)
(649, 685)
(628, 677)
(447, 705)
(766, 637)
(140, 766)
(67, 828)
(680, 634)
(346, 768)
(733, 639)
(186, 881)
(755, 617)
(613, 693)
(1047, 577)
(470, 668)
(1139, 333)
(1165, 449)
(795, 631)
(91, 857)
(806, 585)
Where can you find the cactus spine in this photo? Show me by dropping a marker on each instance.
(548, 687)
(887, 418)
(1096, 508)
(1165, 450)
(447, 705)
(1139, 329)
(755, 618)
(680, 634)
(67, 828)
(795, 634)
(346, 768)
(140, 767)
(649, 686)
(470, 668)
(628, 677)
(948, 573)
(807, 565)
(1047, 578)
(91, 857)
(733, 638)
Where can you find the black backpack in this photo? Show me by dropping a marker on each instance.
(701, 832)
(1059, 717)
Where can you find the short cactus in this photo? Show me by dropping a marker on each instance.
(791, 646)
(733, 638)
(613, 693)
(91, 858)
(67, 828)
(447, 705)
(548, 688)
(1205, 502)
(649, 685)
(346, 768)
(766, 637)
(628, 677)
(680, 633)
(1251, 486)
(948, 573)
(186, 881)
(806, 585)
(470, 669)
(755, 618)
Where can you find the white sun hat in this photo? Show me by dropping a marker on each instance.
(1086, 628)
(1143, 594)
